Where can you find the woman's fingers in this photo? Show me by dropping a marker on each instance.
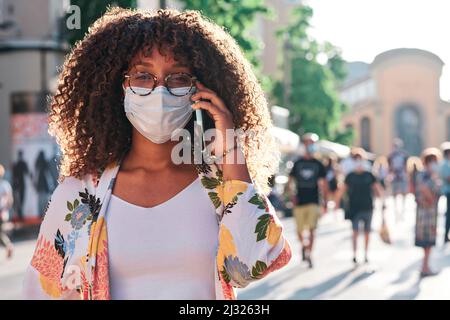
(221, 119)
(201, 86)
(205, 93)
(212, 97)
(212, 109)
(215, 106)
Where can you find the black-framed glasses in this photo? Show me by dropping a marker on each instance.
(143, 83)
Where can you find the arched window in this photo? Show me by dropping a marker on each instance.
(408, 126)
(365, 133)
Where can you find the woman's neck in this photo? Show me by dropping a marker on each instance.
(147, 155)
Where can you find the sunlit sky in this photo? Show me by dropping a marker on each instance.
(364, 28)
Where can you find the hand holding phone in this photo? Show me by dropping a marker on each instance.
(199, 124)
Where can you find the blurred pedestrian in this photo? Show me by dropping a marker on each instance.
(20, 171)
(444, 173)
(360, 185)
(6, 202)
(397, 160)
(348, 164)
(381, 170)
(308, 174)
(276, 199)
(427, 195)
(413, 166)
(43, 180)
(332, 172)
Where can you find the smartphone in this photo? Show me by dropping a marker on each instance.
(198, 125)
(199, 122)
(203, 122)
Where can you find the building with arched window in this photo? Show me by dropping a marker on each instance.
(397, 95)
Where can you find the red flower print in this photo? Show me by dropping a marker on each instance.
(283, 258)
(101, 277)
(227, 289)
(50, 265)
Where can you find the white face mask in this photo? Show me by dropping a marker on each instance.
(434, 166)
(159, 114)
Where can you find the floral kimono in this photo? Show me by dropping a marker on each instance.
(71, 256)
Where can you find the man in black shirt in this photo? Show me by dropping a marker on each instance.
(309, 174)
(360, 186)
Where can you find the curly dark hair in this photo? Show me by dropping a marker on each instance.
(87, 116)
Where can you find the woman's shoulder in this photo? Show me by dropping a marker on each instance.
(73, 184)
(69, 202)
(68, 190)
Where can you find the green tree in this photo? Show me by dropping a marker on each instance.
(91, 10)
(238, 18)
(315, 72)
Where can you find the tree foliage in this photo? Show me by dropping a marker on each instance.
(316, 70)
(238, 19)
(236, 16)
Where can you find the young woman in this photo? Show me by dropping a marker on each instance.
(427, 196)
(127, 222)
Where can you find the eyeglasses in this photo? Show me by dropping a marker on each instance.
(143, 83)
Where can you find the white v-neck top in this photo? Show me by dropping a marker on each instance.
(166, 251)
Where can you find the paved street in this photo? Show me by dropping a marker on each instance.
(391, 274)
(12, 271)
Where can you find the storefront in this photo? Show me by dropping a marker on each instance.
(27, 151)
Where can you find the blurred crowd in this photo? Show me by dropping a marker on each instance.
(320, 183)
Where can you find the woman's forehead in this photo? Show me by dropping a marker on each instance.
(157, 55)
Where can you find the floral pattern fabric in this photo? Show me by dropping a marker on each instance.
(71, 256)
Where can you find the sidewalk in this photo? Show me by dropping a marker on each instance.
(391, 274)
